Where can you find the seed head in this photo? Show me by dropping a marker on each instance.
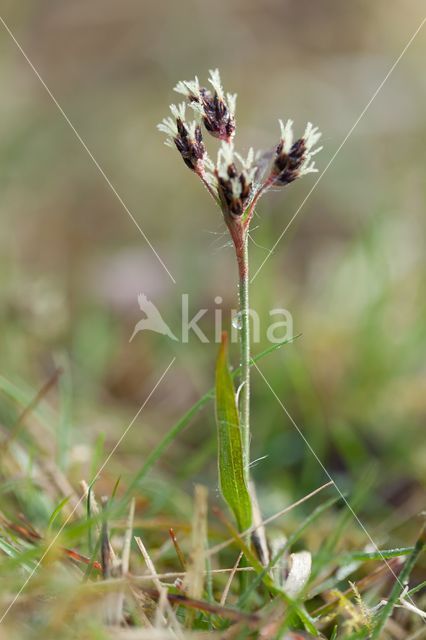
(187, 138)
(293, 159)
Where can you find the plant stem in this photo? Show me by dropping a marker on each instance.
(243, 269)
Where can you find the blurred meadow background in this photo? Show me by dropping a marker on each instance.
(350, 269)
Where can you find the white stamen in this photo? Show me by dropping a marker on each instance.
(197, 107)
(311, 135)
(249, 168)
(308, 168)
(236, 187)
(191, 127)
(168, 126)
(287, 135)
(216, 82)
(188, 88)
(225, 157)
(231, 102)
(178, 111)
(248, 162)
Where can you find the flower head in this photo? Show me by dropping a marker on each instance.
(187, 138)
(217, 111)
(234, 183)
(293, 159)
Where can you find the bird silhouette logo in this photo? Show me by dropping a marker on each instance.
(153, 320)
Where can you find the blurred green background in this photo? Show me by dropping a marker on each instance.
(351, 268)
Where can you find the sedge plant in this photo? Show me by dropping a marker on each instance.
(101, 589)
(236, 184)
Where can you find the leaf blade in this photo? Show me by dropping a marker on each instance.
(232, 479)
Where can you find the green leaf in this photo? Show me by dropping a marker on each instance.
(230, 449)
(334, 634)
(363, 556)
(17, 555)
(57, 511)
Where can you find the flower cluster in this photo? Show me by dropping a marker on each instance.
(217, 111)
(234, 182)
(187, 138)
(293, 159)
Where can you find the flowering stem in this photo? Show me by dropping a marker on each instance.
(239, 235)
(243, 290)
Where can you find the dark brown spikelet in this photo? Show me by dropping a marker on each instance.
(190, 147)
(234, 189)
(294, 159)
(287, 166)
(217, 117)
(217, 111)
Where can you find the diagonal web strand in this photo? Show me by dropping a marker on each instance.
(340, 147)
(342, 496)
(95, 477)
(88, 151)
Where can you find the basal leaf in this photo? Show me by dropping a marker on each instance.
(230, 450)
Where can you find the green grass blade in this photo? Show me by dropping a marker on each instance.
(89, 516)
(291, 540)
(57, 511)
(20, 558)
(328, 549)
(364, 556)
(293, 606)
(417, 588)
(398, 586)
(232, 479)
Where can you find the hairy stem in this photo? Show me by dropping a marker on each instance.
(244, 318)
